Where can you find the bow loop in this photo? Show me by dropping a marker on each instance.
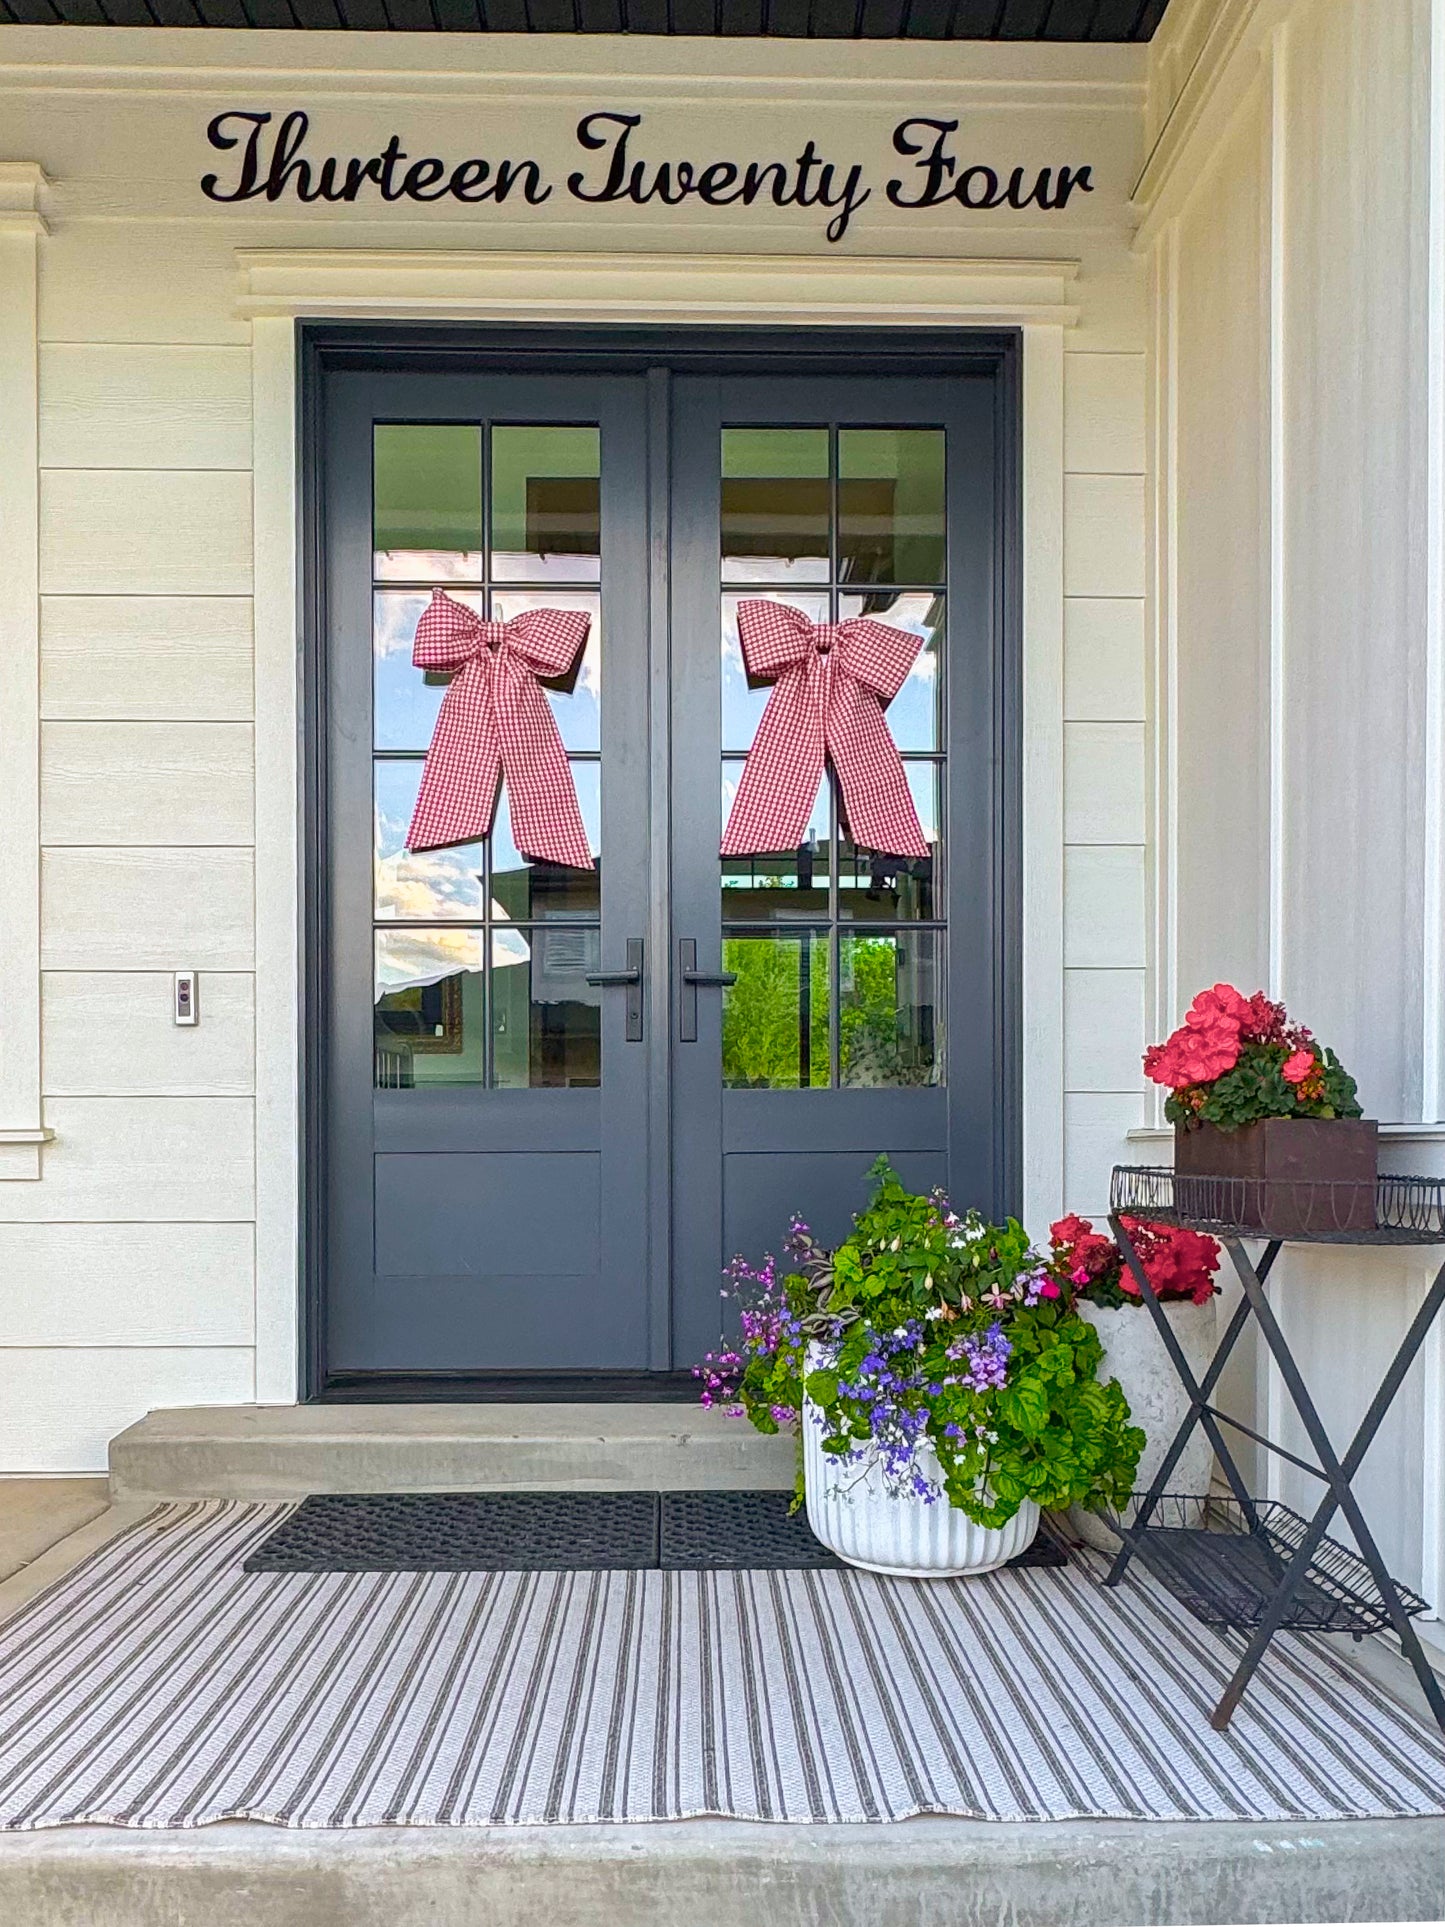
(494, 724)
(879, 655)
(448, 636)
(773, 637)
(830, 682)
(548, 640)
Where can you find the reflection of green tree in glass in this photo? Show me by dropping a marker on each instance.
(762, 1018)
(868, 1020)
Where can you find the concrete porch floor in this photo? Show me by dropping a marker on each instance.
(915, 1873)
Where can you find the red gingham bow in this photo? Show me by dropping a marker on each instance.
(495, 721)
(830, 683)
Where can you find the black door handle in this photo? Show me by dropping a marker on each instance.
(689, 978)
(629, 980)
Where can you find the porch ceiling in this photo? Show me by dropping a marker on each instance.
(1095, 20)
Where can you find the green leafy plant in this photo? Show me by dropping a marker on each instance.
(940, 1347)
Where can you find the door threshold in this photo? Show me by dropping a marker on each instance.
(507, 1388)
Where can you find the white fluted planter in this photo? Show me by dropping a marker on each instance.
(1134, 1354)
(851, 1510)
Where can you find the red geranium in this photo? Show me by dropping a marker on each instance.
(1282, 1071)
(1177, 1263)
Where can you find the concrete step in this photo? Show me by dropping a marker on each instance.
(715, 1873)
(286, 1451)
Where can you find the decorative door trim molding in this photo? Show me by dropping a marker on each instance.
(22, 224)
(653, 289)
(279, 286)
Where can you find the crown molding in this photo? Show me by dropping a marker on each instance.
(1225, 68)
(761, 290)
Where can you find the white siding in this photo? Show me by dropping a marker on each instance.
(1105, 793)
(126, 1273)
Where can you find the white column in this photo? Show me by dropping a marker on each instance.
(22, 1131)
(279, 1152)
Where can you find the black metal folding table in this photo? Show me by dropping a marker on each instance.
(1270, 1569)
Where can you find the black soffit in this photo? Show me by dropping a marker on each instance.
(1092, 20)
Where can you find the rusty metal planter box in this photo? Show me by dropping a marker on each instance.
(1284, 1177)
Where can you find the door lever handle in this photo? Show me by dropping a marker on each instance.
(689, 980)
(629, 980)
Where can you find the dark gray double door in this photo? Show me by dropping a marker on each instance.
(546, 1120)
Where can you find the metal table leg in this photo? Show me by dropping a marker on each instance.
(1199, 1412)
(1338, 1474)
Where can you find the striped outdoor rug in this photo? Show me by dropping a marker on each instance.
(159, 1685)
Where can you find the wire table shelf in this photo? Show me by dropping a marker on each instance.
(1252, 1565)
(1403, 1210)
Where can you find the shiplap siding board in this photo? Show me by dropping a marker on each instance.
(1103, 1029)
(126, 1284)
(145, 532)
(61, 1406)
(113, 1032)
(1103, 782)
(1104, 659)
(137, 281)
(146, 658)
(1103, 535)
(139, 783)
(116, 405)
(1104, 414)
(147, 909)
(1096, 1138)
(144, 1159)
(1104, 907)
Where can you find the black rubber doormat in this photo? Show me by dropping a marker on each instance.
(553, 1532)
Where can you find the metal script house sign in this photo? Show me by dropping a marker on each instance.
(271, 162)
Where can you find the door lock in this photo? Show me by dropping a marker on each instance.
(629, 980)
(690, 980)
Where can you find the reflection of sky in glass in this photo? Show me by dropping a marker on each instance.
(913, 713)
(436, 883)
(408, 957)
(405, 705)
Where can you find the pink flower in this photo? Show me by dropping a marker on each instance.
(1223, 1001)
(1048, 1288)
(1206, 1045)
(1296, 1068)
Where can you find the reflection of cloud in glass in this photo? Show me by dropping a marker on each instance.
(432, 883)
(408, 958)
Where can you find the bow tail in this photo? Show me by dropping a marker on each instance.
(463, 768)
(876, 799)
(541, 795)
(781, 776)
